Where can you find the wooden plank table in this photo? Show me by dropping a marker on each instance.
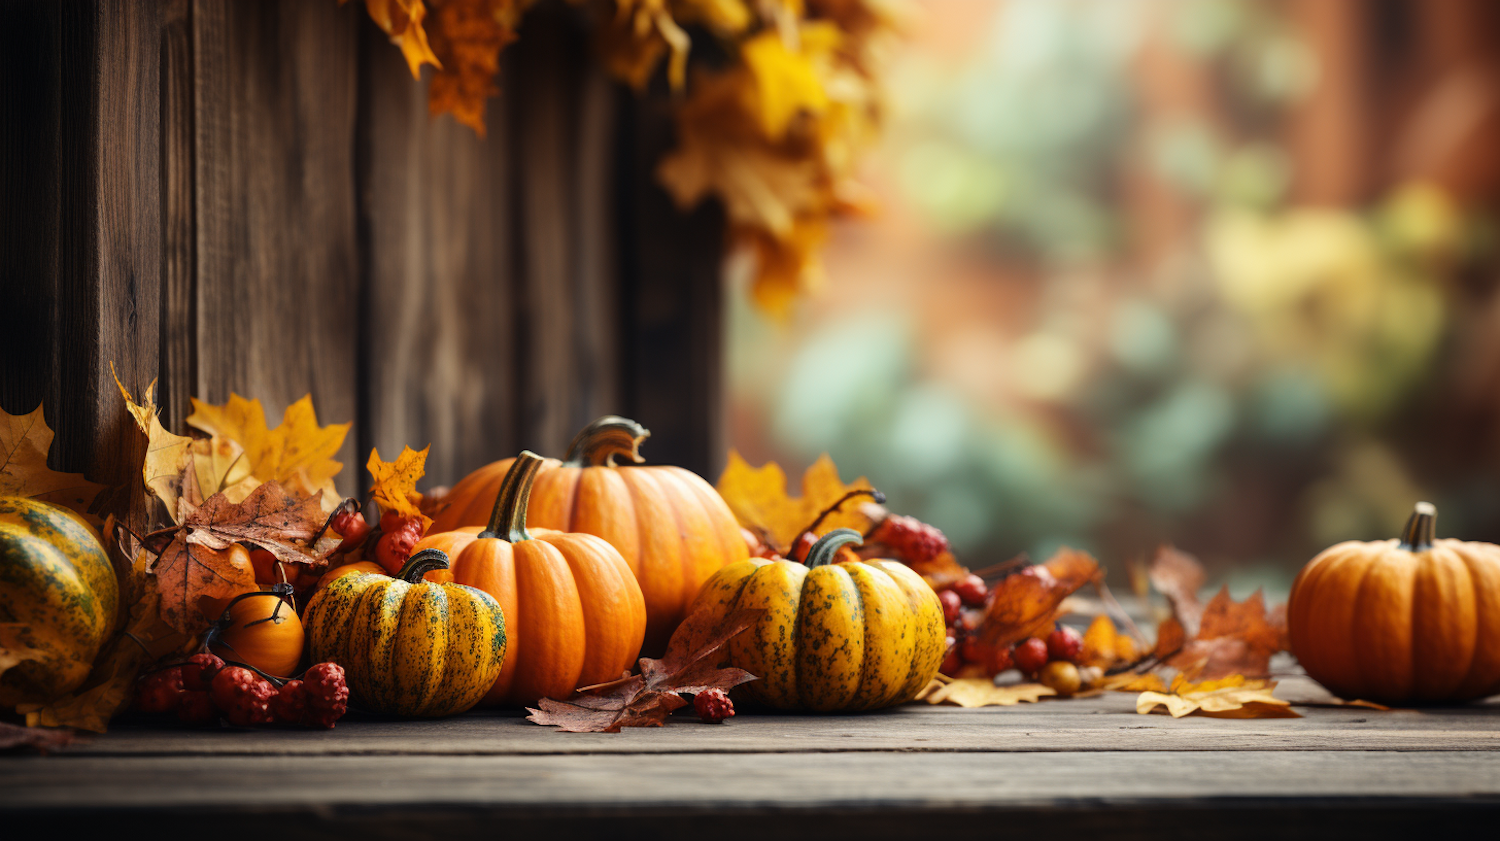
(1082, 765)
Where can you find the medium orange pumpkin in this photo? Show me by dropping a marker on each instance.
(573, 612)
(672, 527)
(340, 571)
(1401, 621)
(262, 630)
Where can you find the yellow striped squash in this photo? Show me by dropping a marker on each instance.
(856, 635)
(58, 600)
(408, 646)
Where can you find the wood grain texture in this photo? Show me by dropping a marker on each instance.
(178, 378)
(436, 221)
(277, 257)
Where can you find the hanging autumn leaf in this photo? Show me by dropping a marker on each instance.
(402, 20)
(395, 482)
(1233, 696)
(298, 453)
(1026, 603)
(982, 692)
(25, 441)
(645, 700)
(758, 498)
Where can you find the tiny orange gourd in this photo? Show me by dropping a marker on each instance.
(1412, 620)
(574, 613)
(260, 629)
(671, 526)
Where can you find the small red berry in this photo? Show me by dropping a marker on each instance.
(951, 606)
(713, 706)
(199, 670)
(289, 704)
(352, 527)
(1064, 643)
(160, 692)
(197, 707)
(951, 661)
(973, 650)
(971, 590)
(1000, 659)
(1030, 655)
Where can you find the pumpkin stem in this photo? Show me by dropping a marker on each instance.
(605, 438)
(418, 565)
(508, 519)
(827, 547)
(1421, 529)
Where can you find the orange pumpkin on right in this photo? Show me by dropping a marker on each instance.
(1413, 620)
(671, 526)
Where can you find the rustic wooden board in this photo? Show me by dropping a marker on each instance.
(277, 255)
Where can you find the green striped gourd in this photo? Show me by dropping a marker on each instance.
(58, 600)
(409, 647)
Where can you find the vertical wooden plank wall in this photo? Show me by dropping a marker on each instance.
(233, 195)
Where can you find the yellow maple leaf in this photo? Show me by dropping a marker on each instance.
(402, 20)
(1230, 697)
(982, 692)
(298, 453)
(758, 497)
(786, 83)
(395, 481)
(1106, 646)
(24, 443)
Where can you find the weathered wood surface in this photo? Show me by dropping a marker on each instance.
(1084, 765)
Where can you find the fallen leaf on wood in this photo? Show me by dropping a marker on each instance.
(1234, 696)
(1179, 576)
(982, 692)
(758, 497)
(645, 700)
(43, 739)
(1233, 638)
(1025, 603)
(395, 482)
(1132, 682)
(1170, 638)
(24, 443)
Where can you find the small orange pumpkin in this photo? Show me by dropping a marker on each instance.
(672, 527)
(1401, 621)
(358, 566)
(573, 612)
(260, 629)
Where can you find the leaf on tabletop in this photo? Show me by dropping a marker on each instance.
(1233, 696)
(42, 739)
(1170, 638)
(645, 700)
(1179, 576)
(395, 482)
(1026, 602)
(1132, 682)
(1233, 638)
(758, 497)
(24, 443)
(982, 692)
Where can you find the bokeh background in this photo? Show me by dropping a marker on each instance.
(1220, 273)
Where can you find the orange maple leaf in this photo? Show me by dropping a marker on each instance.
(1233, 638)
(1027, 602)
(758, 497)
(402, 20)
(467, 36)
(395, 482)
(25, 441)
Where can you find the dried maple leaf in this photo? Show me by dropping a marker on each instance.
(1233, 638)
(1170, 638)
(1106, 646)
(982, 692)
(297, 453)
(24, 443)
(467, 36)
(758, 498)
(1026, 602)
(1179, 576)
(402, 20)
(786, 83)
(638, 36)
(42, 739)
(645, 700)
(395, 482)
(270, 518)
(188, 571)
(1230, 697)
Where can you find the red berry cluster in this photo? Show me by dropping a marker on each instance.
(202, 689)
(963, 603)
(912, 540)
(398, 534)
(713, 706)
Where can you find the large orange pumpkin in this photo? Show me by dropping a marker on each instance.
(573, 612)
(1401, 621)
(672, 527)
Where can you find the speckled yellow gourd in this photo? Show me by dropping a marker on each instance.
(857, 635)
(409, 647)
(58, 598)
